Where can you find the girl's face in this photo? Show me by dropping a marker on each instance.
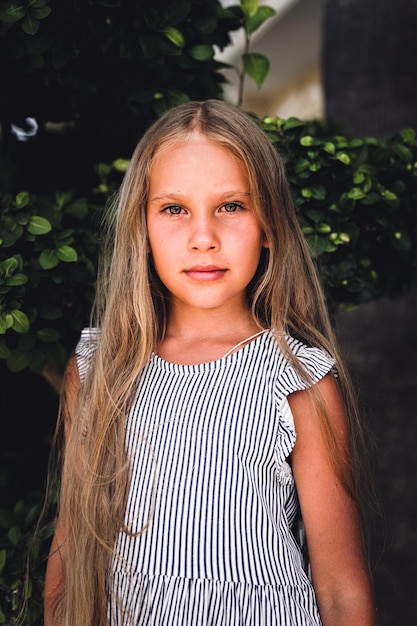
(204, 237)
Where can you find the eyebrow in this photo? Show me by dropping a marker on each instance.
(221, 197)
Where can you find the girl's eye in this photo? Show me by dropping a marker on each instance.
(173, 209)
(232, 207)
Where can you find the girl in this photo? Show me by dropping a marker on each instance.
(207, 431)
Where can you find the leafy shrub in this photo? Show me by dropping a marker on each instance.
(47, 270)
(356, 200)
(16, 580)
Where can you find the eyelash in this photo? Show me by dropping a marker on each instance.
(238, 206)
(167, 209)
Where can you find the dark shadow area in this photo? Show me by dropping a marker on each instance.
(380, 343)
(28, 407)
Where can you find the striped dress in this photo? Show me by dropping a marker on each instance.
(208, 446)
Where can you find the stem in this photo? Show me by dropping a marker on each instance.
(242, 73)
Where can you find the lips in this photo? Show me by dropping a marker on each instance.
(205, 273)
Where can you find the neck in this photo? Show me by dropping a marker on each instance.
(202, 336)
(190, 325)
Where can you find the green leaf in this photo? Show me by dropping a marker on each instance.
(14, 535)
(38, 225)
(2, 559)
(66, 254)
(302, 165)
(121, 165)
(12, 11)
(6, 321)
(329, 147)
(307, 141)
(249, 7)
(8, 266)
(22, 199)
(256, 66)
(176, 12)
(408, 134)
(41, 12)
(389, 195)
(206, 25)
(356, 193)
(323, 229)
(356, 143)
(16, 280)
(30, 25)
(202, 52)
(401, 241)
(255, 21)
(292, 122)
(47, 335)
(4, 350)
(17, 361)
(174, 35)
(358, 178)
(403, 153)
(21, 322)
(48, 259)
(318, 192)
(343, 158)
(320, 244)
(315, 215)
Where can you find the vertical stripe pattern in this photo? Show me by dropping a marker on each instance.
(210, 482)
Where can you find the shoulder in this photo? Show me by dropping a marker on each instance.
(311, 358)
(300, 365)
(86, 348)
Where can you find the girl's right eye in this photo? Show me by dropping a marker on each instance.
(173, 209)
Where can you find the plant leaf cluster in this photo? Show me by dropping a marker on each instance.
(356, 200)
(18, 576)
(94, 74)
(48, 249)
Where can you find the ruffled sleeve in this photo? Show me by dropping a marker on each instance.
(85, 349)
(317, 365)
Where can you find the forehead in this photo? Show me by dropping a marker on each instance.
(198, 154)
(199, 140)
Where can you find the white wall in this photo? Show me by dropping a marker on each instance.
(292, 42)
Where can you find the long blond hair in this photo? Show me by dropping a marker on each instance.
(131, 312)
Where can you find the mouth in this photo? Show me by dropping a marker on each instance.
(205, 273)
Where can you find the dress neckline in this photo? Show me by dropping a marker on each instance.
(213, 364)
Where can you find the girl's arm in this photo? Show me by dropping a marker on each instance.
(340, 574)
(54, 577)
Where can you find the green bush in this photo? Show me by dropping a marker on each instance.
(94, 74)
(19, 577)
(357, 201)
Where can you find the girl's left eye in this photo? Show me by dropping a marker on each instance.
(231, 207)
(173, 209)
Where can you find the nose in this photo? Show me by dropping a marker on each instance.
(204, 234)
